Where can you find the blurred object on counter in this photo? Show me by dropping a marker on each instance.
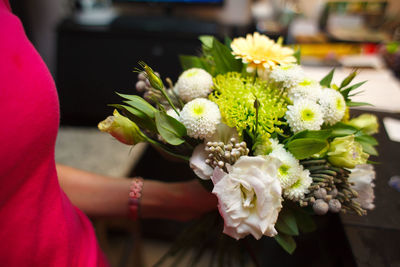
(391, 54)
(355, 21)
(351, 55)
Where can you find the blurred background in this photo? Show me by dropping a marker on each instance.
(92, 46)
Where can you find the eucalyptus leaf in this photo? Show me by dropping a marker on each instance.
(305, 147)
(170, 129)
(286, 241)
(326, 81)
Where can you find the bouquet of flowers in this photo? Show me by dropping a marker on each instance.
(274, 145)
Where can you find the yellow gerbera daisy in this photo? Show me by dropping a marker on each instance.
(260, 52)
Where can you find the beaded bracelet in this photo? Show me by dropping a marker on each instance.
(134, 197)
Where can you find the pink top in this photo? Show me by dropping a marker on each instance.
(38, 224)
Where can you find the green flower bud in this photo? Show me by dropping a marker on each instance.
(154, 80)
(346, 152)
(122, 128)
(366, 122)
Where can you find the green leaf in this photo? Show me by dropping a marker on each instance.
(326, 81)
(137, 116)
(287, 223)
(207, 40)
(305, 147)
(286, 241)
(140, 104)
(188, 62)
(358, 104)
(368, 148)
(346, 91)
(227, 41)
(362, 137)
(348, 79)
(297, 55)
(223, 58)
(320, 134)
(342, 129)
(304, 221)
(170, 129)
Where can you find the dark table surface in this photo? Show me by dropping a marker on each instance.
(375, 238)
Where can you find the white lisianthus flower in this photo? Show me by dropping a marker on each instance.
(198, 163)
(297, 190)
(194, 83)
(306, 89)
(200, 117)
(289, 170)
(304, 115)
(172, 113)
(223, 134)
(289, 75)
(249, 196)
(362, 176)
(333, 105)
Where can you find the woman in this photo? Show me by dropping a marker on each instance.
(40, 225)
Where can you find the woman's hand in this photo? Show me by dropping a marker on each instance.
(181, 201)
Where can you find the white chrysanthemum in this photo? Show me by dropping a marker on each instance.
(304, 114)
(194, 83)
(306, 89)
(200, 117)
(297, 190)
(171, 112)
(289, 169)
(333, 105)
(288, 75)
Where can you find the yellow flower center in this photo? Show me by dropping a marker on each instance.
(305, 82)
(284, 169)
(307, 115)
(198, 110)
(191, 73)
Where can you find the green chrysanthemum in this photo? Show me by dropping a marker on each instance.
(236, 95)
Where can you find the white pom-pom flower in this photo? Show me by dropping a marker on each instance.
(333, 105)
(306, 89)
(200, 117)
(297, 190)
(288, 75)
(194, 83)
(304, 114)
(289, 169)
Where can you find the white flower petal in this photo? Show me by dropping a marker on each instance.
(198, 164)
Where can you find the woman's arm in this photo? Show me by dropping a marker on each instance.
(99, 195)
